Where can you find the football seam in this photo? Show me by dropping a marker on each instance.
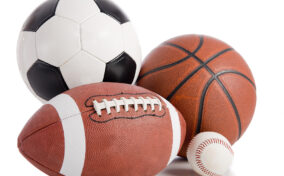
(74, 115)
(36, 131)
(117, 94)
(29, 157)
(58, 121)
(129, 118)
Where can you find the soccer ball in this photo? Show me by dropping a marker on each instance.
(68, 43)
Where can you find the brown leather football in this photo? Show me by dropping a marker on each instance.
(103, 129)
(207, 81)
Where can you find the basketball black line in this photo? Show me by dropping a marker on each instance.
(219, 82)
(232, 103)
(204, 64)
(199, 121)
(206, 89)
(175, 63)
(226, 93)
(193, 54)
(237, 73)
(195, 71)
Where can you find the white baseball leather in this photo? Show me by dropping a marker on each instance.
(210, 154)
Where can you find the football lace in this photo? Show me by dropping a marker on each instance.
(135, 102)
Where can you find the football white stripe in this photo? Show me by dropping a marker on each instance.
(176, 127)
(74, 135)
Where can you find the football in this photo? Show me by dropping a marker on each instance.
(103, 129)
(69, 43)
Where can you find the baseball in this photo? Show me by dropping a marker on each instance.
(210, 154)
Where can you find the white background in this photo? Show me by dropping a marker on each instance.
(253, 27)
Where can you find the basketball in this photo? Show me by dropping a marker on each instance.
(207, 81)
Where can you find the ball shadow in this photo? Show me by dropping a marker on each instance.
(181, 167)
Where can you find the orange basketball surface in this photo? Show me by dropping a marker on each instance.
(207, 81)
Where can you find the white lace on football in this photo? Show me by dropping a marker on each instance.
(124, 102)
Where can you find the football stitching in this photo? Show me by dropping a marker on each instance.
(126, 102)
(200, 150)
(128, 118)
(89, 104)
(110, 95)
(91, 111)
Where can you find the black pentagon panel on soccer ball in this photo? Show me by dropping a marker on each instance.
(109, 8)
(121, 69)
(43, 13)
(46, 80)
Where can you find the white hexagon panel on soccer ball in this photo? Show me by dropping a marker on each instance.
(26, 55)
(26, 51)
(102, 37)
(57, 40)
(83, 69)
(77, 10)
(132, 46)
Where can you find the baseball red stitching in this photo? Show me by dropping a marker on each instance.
(200, 150)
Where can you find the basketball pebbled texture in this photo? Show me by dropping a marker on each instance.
(68, 137)
(207, 81)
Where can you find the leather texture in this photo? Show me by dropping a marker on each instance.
(60, 32)
(75, 73)
(112, 10)
(125, 143)
(58, 40)
(43, 13)
(46, 80)
(207, 80)
(121, 69)
(72, 12)
(102, 37)
(42, 141)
